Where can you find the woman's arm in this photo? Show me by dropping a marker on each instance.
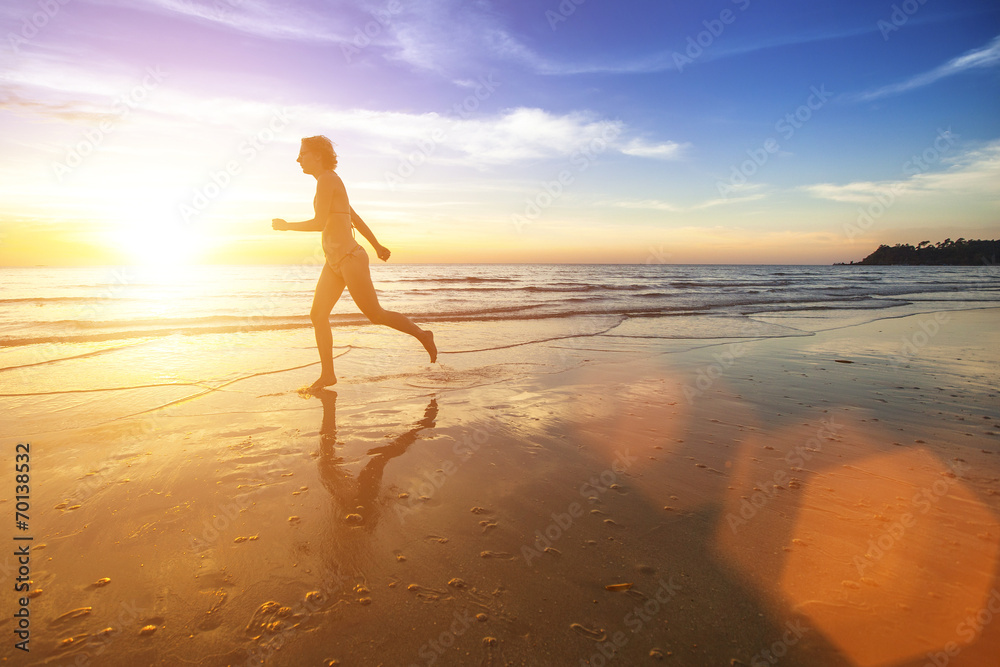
(365, 230)
(306, 226)
(359, 224)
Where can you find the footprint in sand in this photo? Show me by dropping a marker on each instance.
(70, 615)
(72, 641)
(598, 635)
(425, 593)
(211, 620)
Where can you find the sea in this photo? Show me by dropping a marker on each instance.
(91, 346)
(42, 305)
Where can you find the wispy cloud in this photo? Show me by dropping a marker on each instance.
(448, 37)
(974, 173)
(750, 193)
(668, 150)
(452, 37)
(510, 136)
(273, 20)
(663, 61)
(986, 56)
(17, 99)
(59, 89)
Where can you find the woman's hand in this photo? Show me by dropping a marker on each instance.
(279, 225)
(382, 252)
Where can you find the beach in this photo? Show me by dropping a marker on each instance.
(781, 487)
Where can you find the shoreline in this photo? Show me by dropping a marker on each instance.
(579, 448)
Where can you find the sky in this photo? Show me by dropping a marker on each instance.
(590, 131)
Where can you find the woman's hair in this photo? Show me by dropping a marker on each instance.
(322, 147)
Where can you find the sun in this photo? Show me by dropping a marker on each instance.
(143, 228)
(158, 245)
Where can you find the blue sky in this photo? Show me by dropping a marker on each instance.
(732, 131)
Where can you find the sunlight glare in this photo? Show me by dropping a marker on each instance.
(164, 243)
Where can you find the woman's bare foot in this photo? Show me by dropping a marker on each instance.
(325, 380)
(427, 338)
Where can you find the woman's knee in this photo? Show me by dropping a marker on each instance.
(376, 315)
(319, 317)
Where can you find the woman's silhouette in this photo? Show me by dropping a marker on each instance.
(346, 261)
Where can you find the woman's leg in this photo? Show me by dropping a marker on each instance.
(354, 268)
(328, 290)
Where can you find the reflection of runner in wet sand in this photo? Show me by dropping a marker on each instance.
(359, 498)
(346, 261)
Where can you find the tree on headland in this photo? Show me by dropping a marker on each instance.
(943, 253)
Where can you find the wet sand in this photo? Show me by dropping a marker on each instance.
(831, 499)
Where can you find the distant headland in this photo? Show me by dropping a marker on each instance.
(945, 253)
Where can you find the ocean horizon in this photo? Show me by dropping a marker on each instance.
(91, 304)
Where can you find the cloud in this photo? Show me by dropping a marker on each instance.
(58, 88)
(13, 98)
(726, 201)
(668, 150)
(512, 135)
(447, 37)
(650, 204)
(273, 20)
(450, 37)
(986, 56)
(660, 205)
(663, 61)
(858, 192)
(974, 173)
